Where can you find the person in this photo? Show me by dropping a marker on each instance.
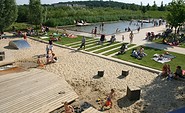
(123, 38)
(112, 39)
(39, 62)
(25, 37)
(138, 29)
(122, 49)
(102, 39)
(178, 72)
(164, 71)
(54, 58)
(50, 42)
(131, 36)
(108, 102)
(68, 108)
(83, 43)
(95, 31)
(141, 52)
(135, 54)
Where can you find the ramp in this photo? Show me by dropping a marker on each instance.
(19, 44)
(34, 91)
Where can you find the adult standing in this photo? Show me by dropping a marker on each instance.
(95, 31)
(131, 36)
(83, 42)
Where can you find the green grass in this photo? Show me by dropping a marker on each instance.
(182, 44)
(105, 44)
(108, 48)
(66, 40)
(116, 50)
(87, 40)
(148, 62)
(87, 43)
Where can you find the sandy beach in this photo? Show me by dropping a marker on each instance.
(80, 70)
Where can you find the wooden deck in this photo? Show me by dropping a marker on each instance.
(91, 110)
(33, 91)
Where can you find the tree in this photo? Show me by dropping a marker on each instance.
(176, 16)
(154, 6)
(8, 13)
(148, 7)
(35, 12)
(161, 8)
(22, 13)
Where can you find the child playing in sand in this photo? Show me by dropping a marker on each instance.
(108, 102)
(39, 62)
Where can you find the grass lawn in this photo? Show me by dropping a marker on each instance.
(108, 48)
(182, 44)
(147, 61)
(88, 40)
(105, 44)
(116, 50)
(66, 40)
(86, 43)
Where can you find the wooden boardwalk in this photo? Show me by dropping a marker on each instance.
(91, 110)
(33, 91)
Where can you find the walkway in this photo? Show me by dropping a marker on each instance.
(139, 39)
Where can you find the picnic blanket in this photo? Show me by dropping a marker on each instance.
(163, 58)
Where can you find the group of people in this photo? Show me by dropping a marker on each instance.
(166, 72)
(50, 55)
(139, 54)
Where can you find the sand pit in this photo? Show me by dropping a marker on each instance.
(80, 70)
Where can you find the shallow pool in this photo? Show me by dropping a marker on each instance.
(111, 28)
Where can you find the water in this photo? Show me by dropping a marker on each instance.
(110, 28)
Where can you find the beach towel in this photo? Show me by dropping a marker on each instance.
(162, 59)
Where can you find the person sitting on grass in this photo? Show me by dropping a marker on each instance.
(178, 72)
(122, 49)
(141, 52)
(135, 54)
(102, 39)
(108, 102)
(112, 39)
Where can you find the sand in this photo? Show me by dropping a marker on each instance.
(80, 70)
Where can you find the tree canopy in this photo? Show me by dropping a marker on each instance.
(176, 16)
(8, 13)
(35, 12)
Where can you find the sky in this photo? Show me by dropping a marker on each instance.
(145, 2)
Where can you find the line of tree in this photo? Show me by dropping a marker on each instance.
(94, 11)
(63, 15)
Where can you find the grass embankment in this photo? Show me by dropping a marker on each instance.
(148, 62)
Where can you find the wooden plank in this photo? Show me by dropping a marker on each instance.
(34, 92)
(91, 110)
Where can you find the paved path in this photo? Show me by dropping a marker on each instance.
(139, 38)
